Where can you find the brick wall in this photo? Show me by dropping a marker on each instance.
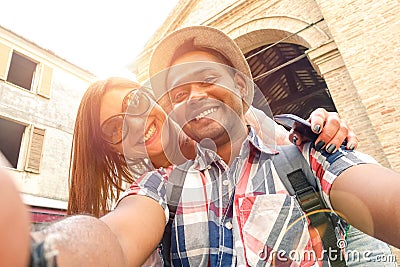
(367, 34)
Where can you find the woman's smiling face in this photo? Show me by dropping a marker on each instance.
(133, 121)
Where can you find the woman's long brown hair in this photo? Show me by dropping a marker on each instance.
(97, 172)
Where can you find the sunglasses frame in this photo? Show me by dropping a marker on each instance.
(123, 114)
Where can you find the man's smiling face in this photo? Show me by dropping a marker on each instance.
(204, 96)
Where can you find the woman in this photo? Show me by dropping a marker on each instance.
(97, 158)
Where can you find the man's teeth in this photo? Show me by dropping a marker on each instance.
(205, 113)
(150, 132)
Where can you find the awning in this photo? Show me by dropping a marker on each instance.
(44, 215)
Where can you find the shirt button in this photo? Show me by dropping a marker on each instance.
(228, 225)
(225, 182)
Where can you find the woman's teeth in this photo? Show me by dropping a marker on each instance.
(205, 113)
(150, 132)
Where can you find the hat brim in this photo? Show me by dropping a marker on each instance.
(202, 36)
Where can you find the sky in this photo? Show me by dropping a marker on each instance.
(100, 36)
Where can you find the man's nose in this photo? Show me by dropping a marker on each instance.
(197, 92)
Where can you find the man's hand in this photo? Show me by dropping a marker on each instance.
(332, 131)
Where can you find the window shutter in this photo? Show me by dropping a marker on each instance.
(5, 52)
(45, 81)
(35, 150)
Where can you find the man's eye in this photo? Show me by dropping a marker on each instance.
(179, 96)
(210, 80)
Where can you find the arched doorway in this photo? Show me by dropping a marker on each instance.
(288, 81)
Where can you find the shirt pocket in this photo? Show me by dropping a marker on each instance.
(273, 226)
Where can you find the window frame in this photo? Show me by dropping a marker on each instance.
(34, 79)
(26, 146)
(42, 77)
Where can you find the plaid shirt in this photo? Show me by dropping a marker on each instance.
(242, 215)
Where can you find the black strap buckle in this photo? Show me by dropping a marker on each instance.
(311, 202)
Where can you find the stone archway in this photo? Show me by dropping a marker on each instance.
(294, 88)
(270, 45)
(255, 33)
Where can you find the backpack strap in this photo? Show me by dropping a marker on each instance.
(174, 188)
(288, 160)
(291, 164)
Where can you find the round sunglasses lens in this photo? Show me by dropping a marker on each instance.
(112, 129)
(136, 103)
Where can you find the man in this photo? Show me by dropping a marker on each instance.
(209, 101)
(233, 208)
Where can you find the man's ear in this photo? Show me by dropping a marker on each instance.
(241, 85)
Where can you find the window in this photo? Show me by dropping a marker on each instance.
(25, 72)
(21, 71)
(10, 140)
(13, 137)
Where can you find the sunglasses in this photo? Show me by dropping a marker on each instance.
(135, 103)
